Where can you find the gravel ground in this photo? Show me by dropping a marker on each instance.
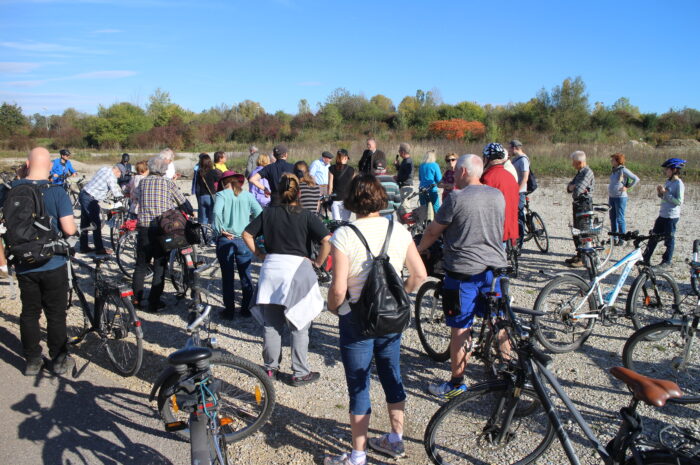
(311, 421)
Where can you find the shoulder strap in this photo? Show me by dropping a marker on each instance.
(206, 184)
(364, 241)
(385, 247)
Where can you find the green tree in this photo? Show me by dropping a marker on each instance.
(113, 126)
(248, 110)
(303, 107)
(330, 117)
(12, 121)
(163, 111)
(383, 103)
(570, 106)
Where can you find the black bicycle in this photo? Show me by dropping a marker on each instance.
(239, 393)
(514, 420)
(112, 317)
(73, 188)
(534, 227)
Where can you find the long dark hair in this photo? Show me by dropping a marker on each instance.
(205, 164)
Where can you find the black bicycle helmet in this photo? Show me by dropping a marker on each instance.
(63, 152)
(125, 158)
(674, 163)
(495, 151)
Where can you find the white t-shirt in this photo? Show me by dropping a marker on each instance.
(374, 230)
(170, 171)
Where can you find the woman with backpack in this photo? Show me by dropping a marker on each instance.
(207, 179)
(351, 267)
(621, 179)
(288, 292)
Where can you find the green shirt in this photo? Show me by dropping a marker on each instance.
(233, 213)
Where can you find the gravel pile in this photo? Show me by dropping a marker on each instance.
(312, 421)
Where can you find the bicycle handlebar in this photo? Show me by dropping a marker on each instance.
(201, 318)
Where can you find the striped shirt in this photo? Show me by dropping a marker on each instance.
(156, 194)
(309, 197)
(102, 183)
(374, 230)
(583, 183)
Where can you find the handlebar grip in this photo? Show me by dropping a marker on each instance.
(696, 245)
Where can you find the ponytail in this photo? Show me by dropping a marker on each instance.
(289, 189)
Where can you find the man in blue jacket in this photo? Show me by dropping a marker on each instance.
(62, 167)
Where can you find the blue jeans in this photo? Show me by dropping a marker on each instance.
(521, 218)
(234, 253)
(618, 205)
(663, 226)
(205, 204)
(357, 353)
(434, 198)
(90, 215)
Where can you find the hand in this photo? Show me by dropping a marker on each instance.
(267, 192)
(260, 255)
(317, 264)
(227, 234)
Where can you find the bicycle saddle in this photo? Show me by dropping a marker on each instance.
(649, 390)
(189, 355)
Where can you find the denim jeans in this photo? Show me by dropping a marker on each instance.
(357, 353)
(521, 218)
(618, 205)
(433, 197)
(205, 205)
(232, 254)
(90, 215)
(663, 226)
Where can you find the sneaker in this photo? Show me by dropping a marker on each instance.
(665, 266)
(578, 263)
(227, 315)
(61, 365)
(341, 460)
(570, 260)
(446, 390)
(272, 373)
(383, 445)
(86, 250)
(312, 377)
(157, 308)
(34, 366)
(244, 314)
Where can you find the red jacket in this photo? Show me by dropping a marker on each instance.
(496, 176)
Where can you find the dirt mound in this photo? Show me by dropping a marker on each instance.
(689, 143)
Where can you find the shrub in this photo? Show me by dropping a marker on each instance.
(457, 129)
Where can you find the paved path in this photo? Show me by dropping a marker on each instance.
(90, 420)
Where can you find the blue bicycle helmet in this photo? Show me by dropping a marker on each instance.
(495, 151)
(674, 163)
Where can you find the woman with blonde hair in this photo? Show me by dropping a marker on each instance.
(429, 174)
(259, 194)
(288, 292)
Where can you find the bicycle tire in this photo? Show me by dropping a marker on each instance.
(659, 349)
(115, 228)
(643, 306)
(75, 203)
(661, 457)
(468, 430)
(126, 255)
(433, 333)
(77, 321)
(607, 247)
(177, 272)
(539, 232)
(228, 365)
(123, 337)
(556, 318)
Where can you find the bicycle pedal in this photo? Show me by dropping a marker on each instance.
(175, 426)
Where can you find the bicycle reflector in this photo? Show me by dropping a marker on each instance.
(223, 421)
(258, 395)
(127, 293)
(175, 426)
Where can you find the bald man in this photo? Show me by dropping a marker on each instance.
(46, 287)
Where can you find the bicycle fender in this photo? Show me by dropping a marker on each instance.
(164, 375)
(572, 274)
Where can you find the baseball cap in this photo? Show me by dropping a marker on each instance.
(279, 149)
(516, 143)
(327, 155)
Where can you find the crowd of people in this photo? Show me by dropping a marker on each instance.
(276, 220)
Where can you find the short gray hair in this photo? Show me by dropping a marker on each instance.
(158, 166)
(579, 156)
(253, 148)
(166, 154)
(472, 163)
(405, 147)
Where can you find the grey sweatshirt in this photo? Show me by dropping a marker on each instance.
(619, 178)
(673, 199)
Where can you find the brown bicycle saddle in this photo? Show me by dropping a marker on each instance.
(648, 390)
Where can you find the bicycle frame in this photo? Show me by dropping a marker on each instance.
(628, 262)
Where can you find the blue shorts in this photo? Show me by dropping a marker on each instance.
(472, 298)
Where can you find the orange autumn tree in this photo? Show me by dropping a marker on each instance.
(456, 129)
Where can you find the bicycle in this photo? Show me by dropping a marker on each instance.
(534, 228)
(240, 391)
(117, 213)
(513, 256)
(417, 219)
(514, 420)
(671, 348)
(595, 221)
(112, 317)
(571, 305)
(73, 187)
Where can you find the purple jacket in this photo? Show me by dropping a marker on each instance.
(257, 193)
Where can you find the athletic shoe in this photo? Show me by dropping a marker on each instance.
(34, 366)
(578, 263)
(570, 260)
(383, 445)
(446, 390)
(62, 364)
(341, 460)
(665, 266)
(312, 377)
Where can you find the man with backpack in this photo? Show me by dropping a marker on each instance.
(472, 220)
(157, 194)
(526, 180)
(35, 209)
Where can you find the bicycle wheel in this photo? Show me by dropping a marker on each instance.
(77, 322)
(126, 255)
(116, 223)
(122, 332)
(667, 350)
(76, 204)
(539, 232)
(557, 330)
(178, 272)
(606, 246)
(433, 333)
(652, 300)
(463, 431)
(246, 395)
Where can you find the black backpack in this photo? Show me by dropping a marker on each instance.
(29, 228)
(384, 306)
(531, 179)
(173, 227)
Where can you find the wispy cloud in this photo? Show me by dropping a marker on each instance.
(309, 83)
(42, 47)
(16, 67)
(52, 102)
(91, 75)
(107, 31)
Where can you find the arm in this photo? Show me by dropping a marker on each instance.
(632, 177)
(255, 180)
(339, 285)
(430, 235)
(330, 183)
(416, 269)
(323, 253)
(250, 242)
(218, 214)
(523, 182)
(67, 224)
(114, 187)
(674, 198)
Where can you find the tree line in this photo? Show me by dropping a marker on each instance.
(562, 114)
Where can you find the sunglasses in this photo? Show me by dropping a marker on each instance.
(451, 159)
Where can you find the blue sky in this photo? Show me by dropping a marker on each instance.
(81, 53)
